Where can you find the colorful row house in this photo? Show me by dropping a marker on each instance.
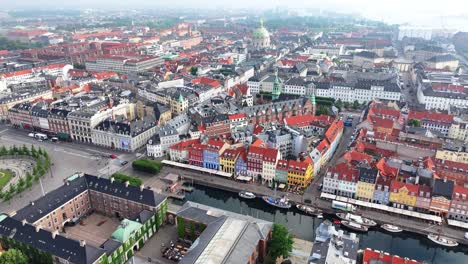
(299, 173)
(196, 154)
(403, 195)
(211, 154)
(255, 162)
(382, 190)
(423, 199)
(240, 167)
(442, 192)
(270, 158)
(228, 159)
(459, 205)
(281, 175)
(341, 180)
(366, 184)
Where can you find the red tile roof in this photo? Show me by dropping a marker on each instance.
(385, 169)
(184, 145)
(430, 116)
(207, 81)
(282, 165)
(381, 122)
(270, 154)
(354, 155)
(412, 188)
(323, 146)
(346, 172)
(370, 256)
(333, 131)
(297, 166)
(237, 116)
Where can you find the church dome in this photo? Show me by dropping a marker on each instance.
(261, 32)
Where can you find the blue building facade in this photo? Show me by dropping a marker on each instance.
(211, 159)
(240, 167)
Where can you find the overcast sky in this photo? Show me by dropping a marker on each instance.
(446, 13)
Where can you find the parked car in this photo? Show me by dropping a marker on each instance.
(54, 139)
(123, 162)
(112, 156)
(31, 135)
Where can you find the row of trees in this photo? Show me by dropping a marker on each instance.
(146, 165)
(42, 165)
(355, 105)
(6, 44)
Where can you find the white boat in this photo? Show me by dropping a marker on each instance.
(443, 241)
(357, 218)
(278, 202)
(308, 210)
(391, 228)
(354, 226)
(466, 235)
(246, 195)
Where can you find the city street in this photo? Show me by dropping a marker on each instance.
(67, 158)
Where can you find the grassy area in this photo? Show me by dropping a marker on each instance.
(120, 177)
(5, 177)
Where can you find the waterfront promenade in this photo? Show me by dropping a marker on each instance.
(408, 223)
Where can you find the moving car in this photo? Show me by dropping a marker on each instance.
(112, 156)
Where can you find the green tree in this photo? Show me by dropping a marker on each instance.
(281, 242)
(192, 231)
(33, 149)
(180, 227)
(3, 151)
(339, 104)
(414, 123)
(25, 150)
(194, 70)
(13, 256)
(21, 182)
(356, 104)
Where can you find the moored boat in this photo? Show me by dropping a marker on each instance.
(277, 202)
(246, 195)
(443, 241)
(354, 226)
(308, 210)
(357, 218)
(391, 228)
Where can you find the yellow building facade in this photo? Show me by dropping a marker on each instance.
(455, 156)
(365, 191)
(300, 174)
(403, 195)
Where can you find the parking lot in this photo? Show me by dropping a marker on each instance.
(66, 158)
(95, 229)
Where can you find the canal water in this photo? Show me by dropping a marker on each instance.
(405, 244)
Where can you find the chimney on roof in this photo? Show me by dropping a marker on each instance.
(54, 234)
(38, 227)
(142, 186)
(82, 243)
(126, 183)
(24, 222)
(112, 179)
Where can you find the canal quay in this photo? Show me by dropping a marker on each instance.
(406, 244)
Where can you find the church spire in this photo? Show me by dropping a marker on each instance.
(276, 87)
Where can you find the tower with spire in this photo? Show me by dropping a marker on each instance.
(314, 104)
(276, 87)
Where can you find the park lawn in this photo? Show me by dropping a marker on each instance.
(5, 177)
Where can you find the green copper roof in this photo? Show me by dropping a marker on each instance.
(312, 98)
(181, 98)
(125, 230)
(260, 32)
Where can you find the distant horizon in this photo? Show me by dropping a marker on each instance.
(451, 14)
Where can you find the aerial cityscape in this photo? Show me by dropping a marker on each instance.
(233, 132)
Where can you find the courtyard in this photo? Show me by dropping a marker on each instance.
(95, 229)
(154, 247)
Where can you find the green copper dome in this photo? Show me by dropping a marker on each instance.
(261, 32)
